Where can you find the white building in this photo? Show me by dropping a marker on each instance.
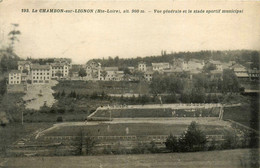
(112, 74)
(142, 66)
(195, 64)
(22, 65)
(160, 66)
(93, 70)
(148, 75)
(40, 73)
(15, 77)
(59, 70)
(218, 65)
(180, 63)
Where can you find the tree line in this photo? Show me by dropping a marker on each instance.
(240, 56)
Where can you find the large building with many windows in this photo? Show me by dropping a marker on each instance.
(40, 73)
(15, 77)
(59, 70)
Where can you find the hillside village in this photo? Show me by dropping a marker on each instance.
(121, 107)
(62, 69)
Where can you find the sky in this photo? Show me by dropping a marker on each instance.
(84, 36)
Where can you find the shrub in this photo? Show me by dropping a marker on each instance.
(59, 119)
(192, 140)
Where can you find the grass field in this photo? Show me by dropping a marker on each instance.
(163, 112)
(239, 158)
(138, 129)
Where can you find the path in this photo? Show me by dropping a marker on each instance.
(38, 94)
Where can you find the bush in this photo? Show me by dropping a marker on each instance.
(192, 140)
(59, 119)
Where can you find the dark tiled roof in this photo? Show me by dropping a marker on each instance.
(40, 67)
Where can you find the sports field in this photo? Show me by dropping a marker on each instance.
(139, 127)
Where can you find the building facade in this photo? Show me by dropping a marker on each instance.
(59, 70)
(160, 66)
(24, 65)
(142, 66)
(41, 74)
(15, 77)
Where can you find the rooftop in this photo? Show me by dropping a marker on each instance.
(14, 71)
(160, 64)
(24, 62)
(111, 68)
(40, 67)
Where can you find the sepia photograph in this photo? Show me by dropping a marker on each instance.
(132, 84)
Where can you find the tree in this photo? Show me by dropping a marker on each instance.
(172, 143)
(84, 143)
(3, 119)
(3, 86)
(157, 85)
(190, 141)
(13, 36)
(103, 73)
(255, 59)
(82, 73)
(209, 67)
(25, 71)
(194, 138)
(230, 81)
(138, 74)
(63, 94)
(79, 143)
(90, 143)
(58, 74)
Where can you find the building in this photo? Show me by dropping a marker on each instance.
(15, 77)
(240, 71)
(24, 65)
(142, 66)
(180, 63)
(59, 70)
(195, 64)
(216, 74)
(24, 78)
(253, 74)
(40, 73)
(111, 74)
(148, 75)
(218, 65)
(93, 70)
(160, 66)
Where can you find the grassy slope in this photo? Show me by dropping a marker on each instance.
(240, 158)
(248, 114)
(167, 112)
(14, 131)
(109, 87)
